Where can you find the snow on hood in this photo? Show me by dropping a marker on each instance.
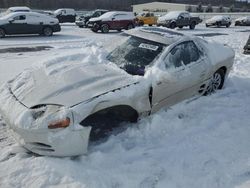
(70, 80)
(243, 18)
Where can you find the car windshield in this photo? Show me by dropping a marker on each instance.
(135, 54)
(172, 15)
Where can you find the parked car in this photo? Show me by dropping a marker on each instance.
(82, 21)
(18, 9)
(28, 23)
(15, 9)
(59, 118)
(219, 21)
(147, 18)
(247, 46)
(112, 21)
(179, 19)
(243, 21)
(65, 15)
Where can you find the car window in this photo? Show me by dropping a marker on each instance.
(182, 54)
(21, 17)
(135, 54)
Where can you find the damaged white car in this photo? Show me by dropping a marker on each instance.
(58, 111)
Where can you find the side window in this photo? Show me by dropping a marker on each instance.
(182, 54)
(21, 17)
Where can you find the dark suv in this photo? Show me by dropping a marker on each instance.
(112, 21)
(82, 21)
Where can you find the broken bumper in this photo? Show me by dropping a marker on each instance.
(43, 141)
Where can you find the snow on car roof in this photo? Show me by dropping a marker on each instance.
(160, 35)
(111, 13)
(13, 14)
(13, 9)
(173, 14)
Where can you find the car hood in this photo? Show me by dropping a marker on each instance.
(94, 19)
(68, 87)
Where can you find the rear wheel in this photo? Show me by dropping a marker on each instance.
(180, 27)
(228, 25)
(216, 82)
(218, 24)
(2, 33)
(47, 31)
(105, 28)
(130, 26)
(150, 25)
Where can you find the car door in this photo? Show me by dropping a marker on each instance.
(34, 24)
(185, 72)
(182, 20)
(18, 25)
(116, 21)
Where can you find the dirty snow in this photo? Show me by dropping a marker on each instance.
(199, 143)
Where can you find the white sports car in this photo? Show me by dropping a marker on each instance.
(151, 68)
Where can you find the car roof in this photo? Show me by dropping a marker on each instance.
(19, 8)
(25, 13)
(156, 34)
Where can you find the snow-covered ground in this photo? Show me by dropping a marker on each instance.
(203, 143)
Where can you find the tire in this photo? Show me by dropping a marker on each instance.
(207, 25)
(2, 33)
(105, 28)
(218, 24)
(150, 25)
(173, 25)
(228, 25)
(216, 82)
(141, 23)
(80, 26)
(130, 26)
(119, 30)
(47, 31)
(94, 30)
(180, 27)
(192, 25)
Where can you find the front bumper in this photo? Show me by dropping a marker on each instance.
(80, 23)
(43, 141)
(56, 28)
(164, 24)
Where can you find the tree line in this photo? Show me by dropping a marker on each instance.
(108, 4)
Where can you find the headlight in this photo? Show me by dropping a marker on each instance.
(52, 116)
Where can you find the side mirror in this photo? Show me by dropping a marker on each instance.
(11, 20)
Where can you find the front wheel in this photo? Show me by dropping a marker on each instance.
(216, 82)
(192, 25)
(2, 33)
(105, 28)
(47, 31)
(173, 25)
(130, 26)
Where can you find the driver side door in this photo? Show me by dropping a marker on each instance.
(18, 25)
(185, 73)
